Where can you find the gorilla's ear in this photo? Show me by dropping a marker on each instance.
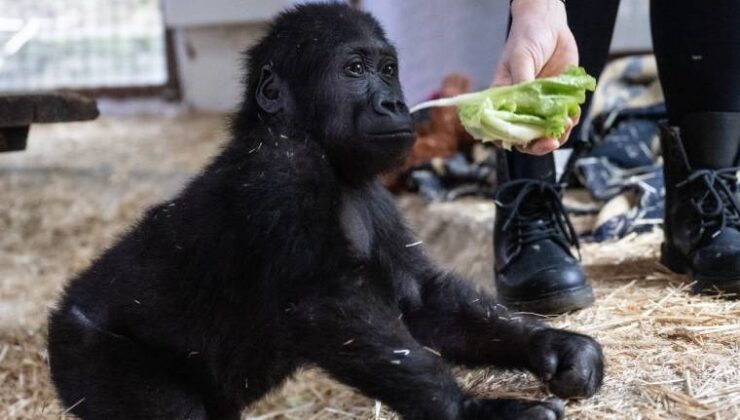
(270, 93)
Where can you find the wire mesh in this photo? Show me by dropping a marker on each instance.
(47, 44)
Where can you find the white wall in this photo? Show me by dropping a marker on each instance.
(180, 13)
(209, 62)
(438, 37)
(210, 37)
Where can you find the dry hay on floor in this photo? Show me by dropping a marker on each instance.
(669, 354)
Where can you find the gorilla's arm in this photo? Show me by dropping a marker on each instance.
(446, 313)
(362, 341)
(467, 327)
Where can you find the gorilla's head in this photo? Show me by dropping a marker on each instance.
(328, 69)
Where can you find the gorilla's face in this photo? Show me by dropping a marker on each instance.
(336, 77)
(359, 109)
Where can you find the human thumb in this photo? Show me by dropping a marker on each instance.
(521, 67)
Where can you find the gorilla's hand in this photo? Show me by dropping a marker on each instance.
(572, 365)
(510, 409)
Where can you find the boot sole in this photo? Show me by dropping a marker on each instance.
(674, 260)
(559, 302)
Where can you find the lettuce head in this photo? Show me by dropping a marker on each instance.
(517, 114)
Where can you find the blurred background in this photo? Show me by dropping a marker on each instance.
(81, 44)
(190, 49)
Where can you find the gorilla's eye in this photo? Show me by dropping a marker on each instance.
(390, 70)
(356, 68)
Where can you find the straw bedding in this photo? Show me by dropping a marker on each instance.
(670, 354)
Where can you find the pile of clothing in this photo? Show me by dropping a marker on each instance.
(621, 165)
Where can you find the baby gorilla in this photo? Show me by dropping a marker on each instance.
(286, 252)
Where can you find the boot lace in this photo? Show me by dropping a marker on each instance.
(545, 220)
(717, 205)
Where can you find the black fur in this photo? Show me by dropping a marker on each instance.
(285, 252)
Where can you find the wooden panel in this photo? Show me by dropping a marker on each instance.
(13, 139)
(21, 110)
(18, 112)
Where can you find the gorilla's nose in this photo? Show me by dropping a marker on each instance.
(390, 105)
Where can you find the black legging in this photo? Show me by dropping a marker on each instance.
(697, 47)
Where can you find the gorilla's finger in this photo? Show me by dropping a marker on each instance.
(511, 409)
(572, 383)
(546, 366)
(557, 405)
(582, 377)
(552, 409)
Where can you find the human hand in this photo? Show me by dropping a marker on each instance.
(540, 44)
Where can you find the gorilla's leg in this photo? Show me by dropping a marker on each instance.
(104, 376)
(467, 327)
(363, 342)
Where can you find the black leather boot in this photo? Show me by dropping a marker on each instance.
(535, 269)
(702, 221)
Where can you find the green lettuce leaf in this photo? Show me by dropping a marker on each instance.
(518, 114)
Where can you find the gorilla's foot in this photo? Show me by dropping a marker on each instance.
(511, 409)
